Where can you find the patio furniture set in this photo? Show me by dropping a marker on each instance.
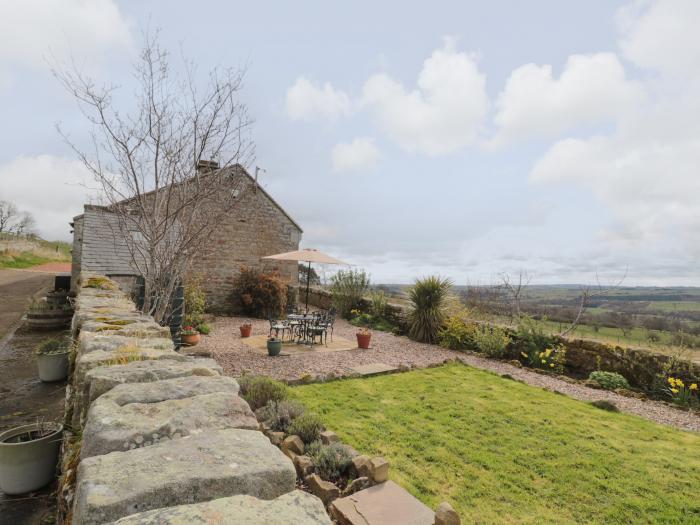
(304, 328)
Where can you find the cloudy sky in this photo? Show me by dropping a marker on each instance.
(459, 138)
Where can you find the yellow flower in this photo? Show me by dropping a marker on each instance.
(674, 390)
(541, 354)
(548, 352)
(544, 362)
(671, 381)
(679, 382)
(551, 365)
(694, 386)
(523, 354)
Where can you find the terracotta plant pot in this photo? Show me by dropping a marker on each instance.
(274, 347)
(189, 339)
(246, 330)
(363, 340)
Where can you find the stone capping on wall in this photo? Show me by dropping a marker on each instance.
(153, 436)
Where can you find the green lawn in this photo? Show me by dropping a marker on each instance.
(504, 452)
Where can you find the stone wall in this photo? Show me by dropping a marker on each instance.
(257, 228)
(153, 436)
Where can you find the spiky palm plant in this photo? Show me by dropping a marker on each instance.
(427, 298)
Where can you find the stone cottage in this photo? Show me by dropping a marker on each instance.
(256, 226)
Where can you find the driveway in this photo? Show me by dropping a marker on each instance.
(17, 287)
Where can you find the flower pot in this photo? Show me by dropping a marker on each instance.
(49, 319)
(28, 465)
(274, 347)
(189, 339)
(363, 340)
(52, 367)
(246, 330)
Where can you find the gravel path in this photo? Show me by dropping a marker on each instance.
(236, 357)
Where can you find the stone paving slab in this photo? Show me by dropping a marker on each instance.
(295, 508)
(111, 427)
(193, 469)
(374, 369)
(384, 504)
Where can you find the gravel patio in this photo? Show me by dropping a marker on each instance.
(227, 347)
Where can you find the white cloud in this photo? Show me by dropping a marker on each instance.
(662, 35)
(444, 113)
(50, 188)
(35, 30)
(646, 171)
(590, 90)
(360, 154)
(306, 101)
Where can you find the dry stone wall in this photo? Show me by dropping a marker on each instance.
(157, 437)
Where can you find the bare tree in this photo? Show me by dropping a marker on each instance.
(588, 292)
(515, 290)
(8, 215)
(25, 225)
(145, 162)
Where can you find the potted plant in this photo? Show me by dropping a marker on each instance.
(52, 360)
(274, 346)
(363, 338)
(189, 336)
(246, 329)
(28, 457)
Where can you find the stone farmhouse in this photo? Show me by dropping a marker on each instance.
(256, 226)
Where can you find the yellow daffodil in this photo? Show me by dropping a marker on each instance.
(551, 365)
(694, 386)
(679, 383)
(671, 381)
(674, 390)
(544, 362)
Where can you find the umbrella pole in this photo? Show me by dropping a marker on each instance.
(308, 280)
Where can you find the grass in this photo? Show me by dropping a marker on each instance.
(21, 253)
(21, 260)
(504, 452)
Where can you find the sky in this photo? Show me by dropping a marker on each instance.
(466, 139)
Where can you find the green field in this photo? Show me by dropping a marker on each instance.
(31, 253)
(503, 452)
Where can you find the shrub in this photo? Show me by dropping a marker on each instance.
(53, 346)
(427, 316)
(258, 391)
(491, 341)
(378, 304)
(540, 350)
(347, 289)
(195, 302)
(259, 294)
(330, 461)
(682, 394)
(371, 321)
(278, 415)
(307, 426)
(203, 328)
(458, 334)
(604, 404)
(609, 380)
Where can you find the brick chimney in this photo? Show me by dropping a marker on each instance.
(205, 166)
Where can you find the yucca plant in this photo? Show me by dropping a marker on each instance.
(427, 298)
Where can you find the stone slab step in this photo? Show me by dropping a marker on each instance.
(384, 504)
(296, 508)
(374, 369)
(193, 469)
(111, 427)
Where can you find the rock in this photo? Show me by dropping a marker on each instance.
(446, 515)
(111, 426)
(91, 341)
(328, 437)
(361, 466)
(275, 437)
(304, 465)
(592, 383)
(293, 444)
(384, 504)
(210, 465)
(325, 490)
(356, 485)
(297, 507)
(379, 469)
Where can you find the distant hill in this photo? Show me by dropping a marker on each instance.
(27, 252)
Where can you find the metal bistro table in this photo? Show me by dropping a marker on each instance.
(300, 324)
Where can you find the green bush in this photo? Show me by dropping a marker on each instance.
(330, 461)
(53, 346)
(378, 304)
(373, 322)
(609, 380)
(491, 341)
(347, 289)
(259, 294)
(278, 415)
(307, 426)
(457, 334)
(427, 314)
(203, 328)
(258, 391)
(539, 349)
(195, 302)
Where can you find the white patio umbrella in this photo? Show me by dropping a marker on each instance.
(307, 255)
